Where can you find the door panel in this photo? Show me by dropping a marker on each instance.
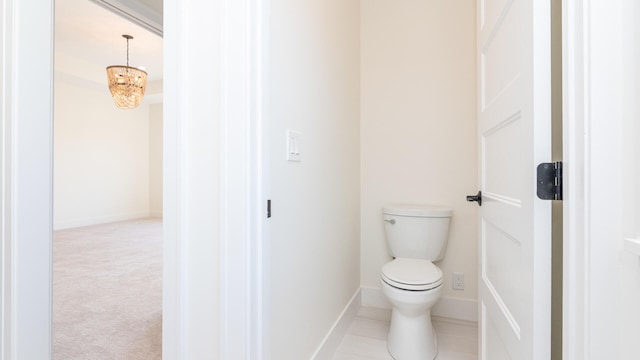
(500, 56)
(495, 347)
(502, 269)
(503, 184)
(514, 132)
(490, 11)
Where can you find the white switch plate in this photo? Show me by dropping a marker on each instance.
(293, 145)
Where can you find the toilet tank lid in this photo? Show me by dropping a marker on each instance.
(417, 210)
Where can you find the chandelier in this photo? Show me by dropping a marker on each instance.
(127, 84)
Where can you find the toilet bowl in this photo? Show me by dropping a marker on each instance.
(417, 235)
(411, 335)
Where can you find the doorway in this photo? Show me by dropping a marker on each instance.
(107, 210)
(198, 178)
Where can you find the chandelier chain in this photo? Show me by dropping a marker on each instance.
(127, 52)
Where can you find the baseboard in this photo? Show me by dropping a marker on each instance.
(156, 214)
(61, 225)
(330, 343)
(447, 307)
(457, 309)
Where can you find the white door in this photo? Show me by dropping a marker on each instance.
(514, 135)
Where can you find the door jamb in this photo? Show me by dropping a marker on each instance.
(576, 262)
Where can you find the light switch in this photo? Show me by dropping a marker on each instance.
(293, 145)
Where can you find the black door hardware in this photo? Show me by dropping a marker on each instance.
(477, 197)
(550, 181)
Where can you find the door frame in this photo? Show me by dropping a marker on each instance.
(25, 261)
(576, 206)
(595, 53)
(213, 283)
(218, 312)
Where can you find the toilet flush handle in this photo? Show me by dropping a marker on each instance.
(391, 221)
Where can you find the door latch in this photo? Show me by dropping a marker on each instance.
(268, 208)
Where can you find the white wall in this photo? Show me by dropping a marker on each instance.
(418, 127)
(315, 229)
(101, 157)
(155, 160)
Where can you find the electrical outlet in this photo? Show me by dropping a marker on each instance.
(458, 281)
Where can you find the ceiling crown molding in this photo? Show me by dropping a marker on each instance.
(137, 12)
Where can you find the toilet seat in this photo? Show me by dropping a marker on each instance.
(412, 274)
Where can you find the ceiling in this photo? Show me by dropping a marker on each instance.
(88, 38)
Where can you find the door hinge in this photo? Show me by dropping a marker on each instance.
(550, 181)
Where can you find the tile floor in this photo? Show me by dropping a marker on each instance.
(366, 338)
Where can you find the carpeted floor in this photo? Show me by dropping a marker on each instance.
(107, 292)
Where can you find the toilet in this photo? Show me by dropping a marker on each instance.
(416, 236)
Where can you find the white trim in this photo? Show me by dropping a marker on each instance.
(260, 172)
(213, 211)
(174, 277)
(456, 308)
(61, 225)
(27, 38)
(238, 189)
(135, 11)
(576, 264)
(447, 307)
(79, 81)
(332, 340)
(258, 256)
(6, 67)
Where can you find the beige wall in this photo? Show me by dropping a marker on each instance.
(315, 229)
(101, 156)
(418, 125)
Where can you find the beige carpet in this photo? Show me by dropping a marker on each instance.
(107, 292)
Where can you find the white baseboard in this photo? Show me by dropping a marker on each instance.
(61, 225)
(373, 297)
(330, 343)
(156, 214)
(456, 308)
(447, 307)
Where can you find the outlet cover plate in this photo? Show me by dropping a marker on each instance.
(458, 281)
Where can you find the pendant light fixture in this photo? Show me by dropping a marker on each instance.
(127, 84)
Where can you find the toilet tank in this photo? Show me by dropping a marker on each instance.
(416, 231)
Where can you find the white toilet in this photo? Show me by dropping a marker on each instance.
(416, 235)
